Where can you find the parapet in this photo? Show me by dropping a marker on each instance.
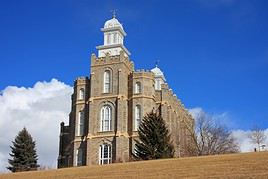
(81, 80)
(143, 73)
(112, 59)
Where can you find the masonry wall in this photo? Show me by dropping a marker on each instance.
(123, 99)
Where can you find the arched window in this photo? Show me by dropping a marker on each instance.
(81, 122)
(79, 157)
(138, 87)
(105, 154)
(106, 118)
(137, 117)
(82, 93)
(107, 81)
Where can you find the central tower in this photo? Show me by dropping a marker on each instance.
(113, 39)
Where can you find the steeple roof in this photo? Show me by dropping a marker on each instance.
(112, 23)
(158, 73)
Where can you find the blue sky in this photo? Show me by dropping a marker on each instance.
(214, 53)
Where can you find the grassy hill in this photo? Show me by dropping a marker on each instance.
(246, 165)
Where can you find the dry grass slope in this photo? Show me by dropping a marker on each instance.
(247, 165)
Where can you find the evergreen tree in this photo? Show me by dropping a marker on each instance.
(23, 153)
(154, 139)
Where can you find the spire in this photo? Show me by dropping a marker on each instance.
(157, 71)
(114, 13)
(156, 63)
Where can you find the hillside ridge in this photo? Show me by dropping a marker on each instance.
(243, 165)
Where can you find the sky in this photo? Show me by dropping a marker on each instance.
(214, 54)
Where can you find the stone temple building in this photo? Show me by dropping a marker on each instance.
(109, 104)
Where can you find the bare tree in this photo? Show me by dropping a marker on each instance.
(257, 136)
(210, 138)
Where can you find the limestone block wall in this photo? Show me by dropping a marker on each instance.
(175, 115)
(81, 85)
(122, 98)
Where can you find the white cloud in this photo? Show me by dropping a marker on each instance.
(196, 112)
(221, 118)
(40, 109)
(241, 136)
(244, 142)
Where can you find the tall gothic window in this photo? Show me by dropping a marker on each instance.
(82, 93)
(81, 121)
(138, 87)
(106, 81)
(137, 116)
(105, 152)
(106, 118)
(79, 157)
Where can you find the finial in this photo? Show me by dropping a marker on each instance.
(156, 63)
(114, 12)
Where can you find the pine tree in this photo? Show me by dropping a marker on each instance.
(154, 139)
(23, 153)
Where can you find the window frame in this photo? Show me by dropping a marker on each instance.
(137, 117)
(102, 157)
(137, 87)
(114, 38)
(81, 93)
(108, 39)
(107, 76)
(106, 118)
(81, 123)
(79, 157)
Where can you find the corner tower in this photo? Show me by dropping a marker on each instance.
(113, 41)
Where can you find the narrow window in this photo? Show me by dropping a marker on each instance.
(137, 117)
(81, 121)
(115, 38)
(82, 93)
(106, 118)
(108, 39)
(158, 84)
(107, 81)
(120, 40)
(105, 152)
(79, 157)
(138, 87)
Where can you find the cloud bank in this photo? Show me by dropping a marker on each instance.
(40, 109)
(241, 136)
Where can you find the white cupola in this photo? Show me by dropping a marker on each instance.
(113, 39)
(159, 77)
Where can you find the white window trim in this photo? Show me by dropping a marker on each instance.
(82, 93)
(107, 81)
(137, 117)
(106, 109)
(108, 39)
(79, 157)
(137, 87)
(81, 123)
(115, 38)
(101, 154)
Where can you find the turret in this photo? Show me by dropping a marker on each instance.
(113, 41)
